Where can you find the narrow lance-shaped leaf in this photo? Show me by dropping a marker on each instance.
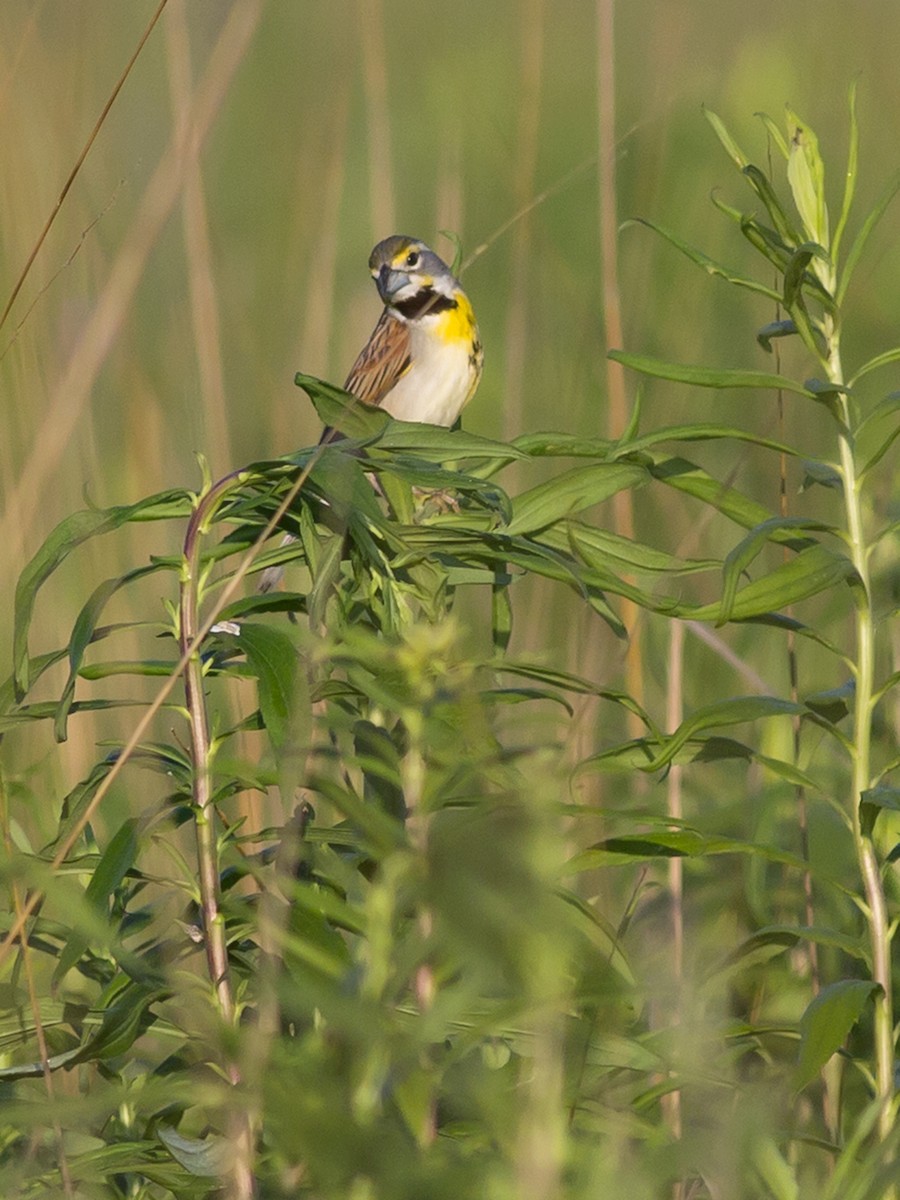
(570, 492)
(115, 862)
(69, 534)
(677, 843)
(774, 133)
(722, 715)
(809, 573)
(740, 558)
(83, 633)
(762, 185)
(732, 149)
(806, 176)
(849, 177)
(710, 377)
(686, 476)
(702, 431)
(709, 265)
(879, 454)
(859, 242)
(885, 359)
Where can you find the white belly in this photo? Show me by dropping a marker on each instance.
(436, 387)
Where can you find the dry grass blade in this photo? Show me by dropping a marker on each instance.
(101, 330)
(92, 137)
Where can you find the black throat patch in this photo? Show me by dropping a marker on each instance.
(425, 301)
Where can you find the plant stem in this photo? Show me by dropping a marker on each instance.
(879, 923)
(241, 1129)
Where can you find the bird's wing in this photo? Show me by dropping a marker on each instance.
(383, 360)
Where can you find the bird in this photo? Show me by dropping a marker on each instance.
(424, 358)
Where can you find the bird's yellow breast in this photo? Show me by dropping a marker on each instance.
(455, 324)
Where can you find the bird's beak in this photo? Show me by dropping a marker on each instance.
(389, 283)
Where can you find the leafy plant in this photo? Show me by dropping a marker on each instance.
(368, 938)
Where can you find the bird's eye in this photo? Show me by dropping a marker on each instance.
(413, 258)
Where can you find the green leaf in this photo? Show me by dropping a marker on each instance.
(879, 454)
(574, 490)
(775, 939)
(795, 274)
(115, 862)
(821, 473)
(774, 133)
(501, 614)
(766, 241)
(711, 377)
(34, 1070)
(827, 1021)
(875, 801)
(806, 176)
(762, 185)
(436, 444)
(739, 559)
(635, 755)
(77, 800)
(701, 432)
(67, 536)
(859, 242)
(342, 411)
(123, 1022)
(775, 329)
(83, 633)
(850, 175)
(834, 704)
(732, 149)
(810, 572)
(282, 685)
(716, 716)
(774, 1170)
(208, 1157)
(885, 359)
(709, 265)
(559, 445)
(680, 843)
(603, 549)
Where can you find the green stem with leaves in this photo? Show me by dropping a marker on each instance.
(214, 932)
(876, 904)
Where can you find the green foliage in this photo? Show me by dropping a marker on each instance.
(445, 948)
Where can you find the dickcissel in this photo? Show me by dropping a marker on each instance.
(423, 359)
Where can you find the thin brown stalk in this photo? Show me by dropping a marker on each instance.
(535, 202)
(371, 24)
(623, 511)
(318, 305)
(71, 395)
(449, 207)
(201, 278)
(92, 137)
(675, 810)
(530, 70)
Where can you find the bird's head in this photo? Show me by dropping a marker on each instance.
(403, 267)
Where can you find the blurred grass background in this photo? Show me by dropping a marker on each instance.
(177, 294)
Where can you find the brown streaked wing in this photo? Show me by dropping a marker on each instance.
(383, 360)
